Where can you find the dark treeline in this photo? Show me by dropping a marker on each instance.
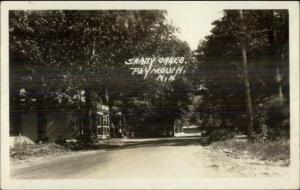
(70, 59)
(245, 66)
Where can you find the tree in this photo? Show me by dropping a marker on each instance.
(245, 76)
(244, 38)
(68, 55)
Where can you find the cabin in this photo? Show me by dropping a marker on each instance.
(60, 124)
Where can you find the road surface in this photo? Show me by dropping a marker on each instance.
(183, 157)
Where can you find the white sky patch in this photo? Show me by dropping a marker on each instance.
(194, 23)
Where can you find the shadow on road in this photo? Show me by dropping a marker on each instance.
(136, 143)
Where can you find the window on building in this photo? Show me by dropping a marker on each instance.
(105, 120)
(71, 120)
(99, 120)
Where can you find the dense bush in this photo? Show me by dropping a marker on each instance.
(278, 150)
(220, 134)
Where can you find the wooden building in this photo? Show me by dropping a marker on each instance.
(63, 124)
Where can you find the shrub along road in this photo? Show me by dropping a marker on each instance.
(181, 157)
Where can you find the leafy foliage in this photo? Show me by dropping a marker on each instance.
(61, 57)
(219, 60)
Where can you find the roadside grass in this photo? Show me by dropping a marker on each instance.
(276, 150)
(23, 151)
(26, 151)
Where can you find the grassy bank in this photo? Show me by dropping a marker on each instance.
(26, 151)
(278, 150)
(23, 151)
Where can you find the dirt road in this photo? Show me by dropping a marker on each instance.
(147, 158)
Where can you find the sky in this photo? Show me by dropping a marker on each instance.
(194, 23)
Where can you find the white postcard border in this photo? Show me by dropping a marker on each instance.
(291, 181)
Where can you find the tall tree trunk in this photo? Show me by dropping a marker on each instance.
(246, 80)
(106, 96)
(278, 78)
(248, 92)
